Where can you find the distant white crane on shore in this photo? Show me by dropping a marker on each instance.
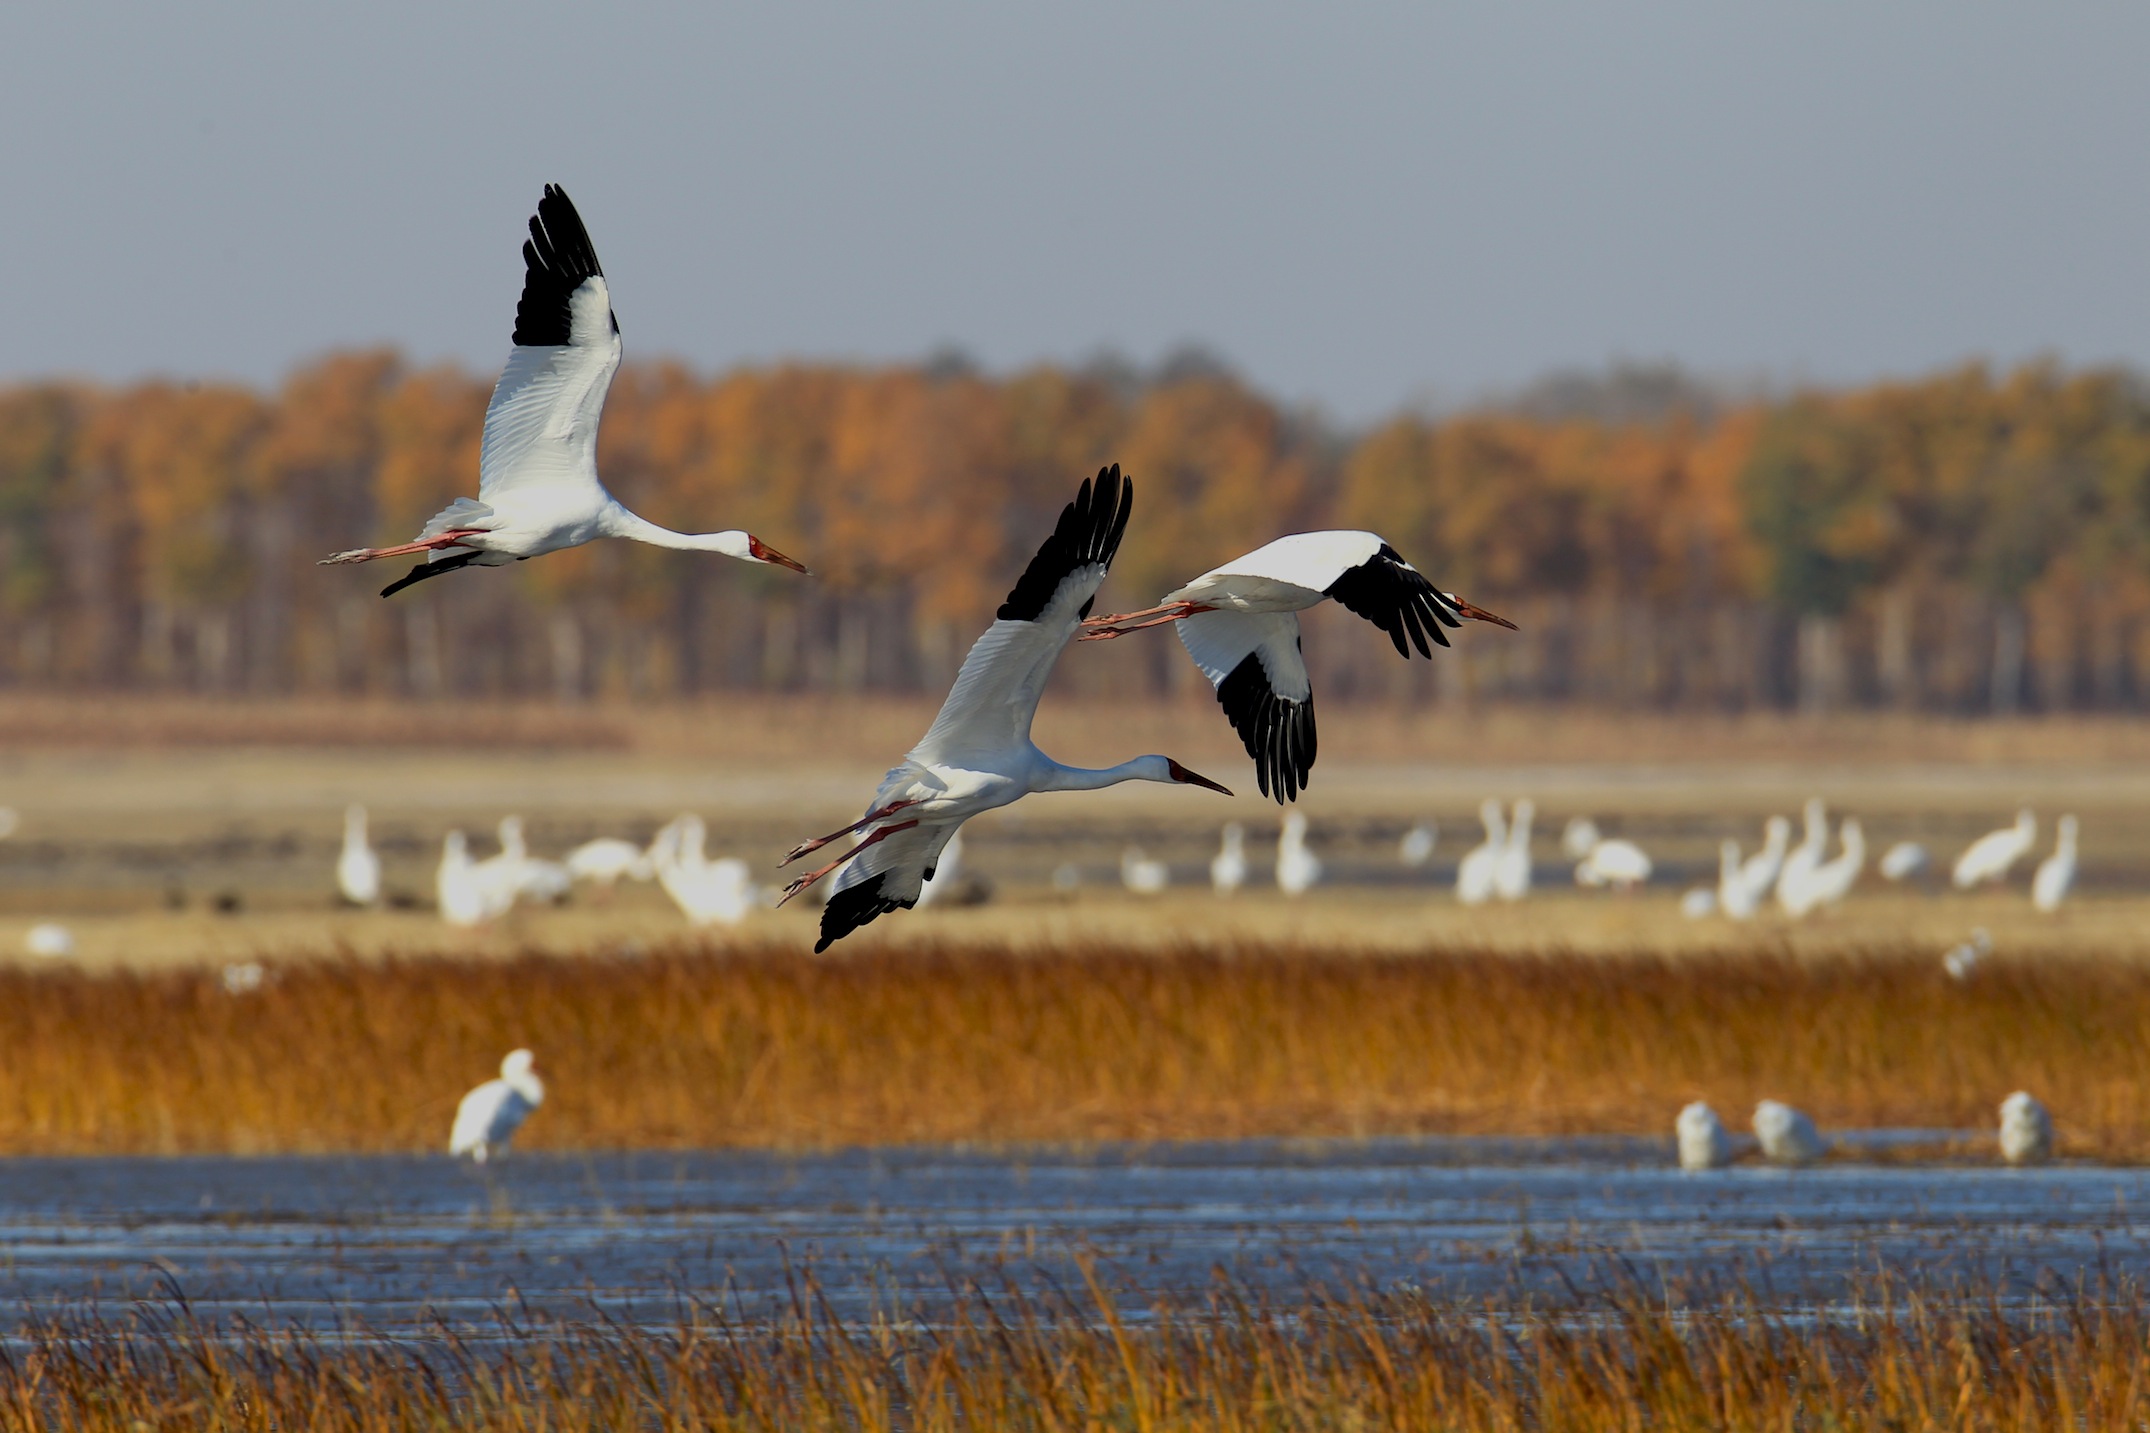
(487, 1118)
(2056, 873)
(1416, 847)
(1704, 1141)
(1990, 857)
(1297, 867)
(1902, 861)
(1240, 624)
(1787, 1135)
(2026, 1130)
(538, 489)
(1800, 862)
(608, 860)
(465, 897)
(1476, 873)
(1511, 874)
(1228, 868)
(719, 892)
(358, 870)
(1142, 874)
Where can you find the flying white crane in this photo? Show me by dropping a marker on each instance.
(2056, 873)
(1228, 868)
(466, 898)
(358, 870)
(1297, 867)
(1416, 847)
(1142, 875)
(1617, 862)
(1511, 873)
(1240, 623)
(607, 860)
(1704, 1142)
(1476, 871)
(1991, 855)
(1832, 880)
(538, 490)
(1799, 864)
(978, 755)
(707, 892)
(2026, 1130)
(1787, 1136)
(486, 1120)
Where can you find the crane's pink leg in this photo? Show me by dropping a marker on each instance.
(424, 544)
(1101, 629)
(868, 819)
(802, 882)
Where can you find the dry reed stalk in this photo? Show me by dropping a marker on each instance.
(1109, 1358)
(767, 1048)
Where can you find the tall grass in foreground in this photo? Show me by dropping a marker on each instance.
(1237, 1360)
(771, 1048)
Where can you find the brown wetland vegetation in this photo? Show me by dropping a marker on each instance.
(764, 1047)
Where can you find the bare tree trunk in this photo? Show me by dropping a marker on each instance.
(1821, 664)
(1892, 656)
(567, 679)
(2005, 690)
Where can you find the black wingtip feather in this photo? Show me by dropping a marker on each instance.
(1279, 734)
(1089, 531)
(1397, 598)
(557, 259)
(853, 907)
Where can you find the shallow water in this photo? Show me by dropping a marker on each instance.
(400, 1242)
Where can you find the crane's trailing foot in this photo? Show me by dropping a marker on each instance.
(808, 847)
(424, 544)
(801, 883)
(1100, 629)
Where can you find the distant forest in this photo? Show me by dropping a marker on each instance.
(1969, 542)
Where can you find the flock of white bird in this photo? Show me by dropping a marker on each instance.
(1784, 1135)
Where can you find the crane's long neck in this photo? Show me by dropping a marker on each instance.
(619, 522)
(1083, 778)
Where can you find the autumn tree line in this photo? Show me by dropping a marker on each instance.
(1969, 542)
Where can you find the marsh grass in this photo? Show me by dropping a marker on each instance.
(768, 1048)
(1099, 1357)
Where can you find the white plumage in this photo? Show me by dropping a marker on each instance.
(1475, 874)
(1618, 863)
(719, 892)
(1736, 896)
(1578, 836)
(528, 877)
(1142, 875)
(1990, 857)
(2056, 873)
(1786, 1135)
(1799, 864)
(1297, 867)
(358, 870)
(607, 860)
(49, 940)
(978, 756)
(2026, 1130)
(1962, 959)
(1416, 847)
(486, 1120)
(944, 872)
(1511, 873)
(1704, 1141)
(1240, 624)
(465, 897)
(1228, 868)
(1828, 883)
(1902, 861)
(538, 489)
(1758, 873)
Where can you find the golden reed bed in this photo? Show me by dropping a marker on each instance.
(2075, 1359)
(769, 1048)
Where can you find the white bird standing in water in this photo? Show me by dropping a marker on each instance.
(1760, 871)
(486, 1120)
(529, 877)
(538, 489)
(719, 892)
(1704, 1142)
(1737, 897)
(1902, 861)
(1142, 875)
(1787, 1136)
(465, 898)
(1578, 837)
(1800, 863)
(1228, 868)
(1297, 867)
(2056, 873)
(1416, 847)
(607, 860)
(1618, 863)
(1832, 880)
(1511, 876)
(358, 870)
(1991, 855)
(1475, 874)
(2026, 1130)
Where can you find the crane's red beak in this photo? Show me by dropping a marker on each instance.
(1480, 614)
(1181, 773)
(762, 552)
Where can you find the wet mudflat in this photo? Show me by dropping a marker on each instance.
(400, 1243)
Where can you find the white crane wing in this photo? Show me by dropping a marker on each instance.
(1254, 662)
(988, 710)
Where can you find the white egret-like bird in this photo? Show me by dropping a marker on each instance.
(1240, 624)
(1475, 874)
(1787, 1136)
(1737, 897)
(719, 892)
(1698, 903)
(2056, 873)
(608, 860)
(486, 1120)
(978, 756)
(2026, 1130)
(358, 870)
(1297, 867)
(1800, 861)
(1832, 880)
(467, 898)
(49, 940)
(538, 490)
(1991, 855)
(945, 872)
(526, 877)
(1228, 868)
(1902, 861)
(1961, 959)
(1511, 873)
(1141, 874)
(1578, 836)
(1617, 862)
(1760, 871)
(1704, 1141)
(1416, 847)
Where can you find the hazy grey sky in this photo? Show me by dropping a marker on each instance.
(1359, 205)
